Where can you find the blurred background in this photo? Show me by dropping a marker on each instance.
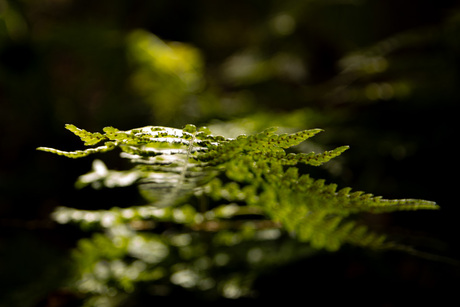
(379, 75)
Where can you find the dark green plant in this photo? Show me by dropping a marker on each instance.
(230, 207)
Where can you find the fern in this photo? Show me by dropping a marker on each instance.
(171, 163)
(245, 189)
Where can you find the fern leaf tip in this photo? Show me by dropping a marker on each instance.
(190, 128)
(70, 127)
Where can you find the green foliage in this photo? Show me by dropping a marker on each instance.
(212, 194)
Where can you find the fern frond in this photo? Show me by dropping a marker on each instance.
(263, 146)
(173, 164)
(312, 158)
(78, 153)
(87, 137)
(331, 232)
(308, 208)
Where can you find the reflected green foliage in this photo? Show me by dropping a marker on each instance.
(218, 210)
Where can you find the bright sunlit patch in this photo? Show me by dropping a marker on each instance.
(91, 216)
(128, 213)
(147, 249)
(232, 289)
(268, 234)
(181, 239)
(108, 219)
(185, 278)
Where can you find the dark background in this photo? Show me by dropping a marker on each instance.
(67, 62)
